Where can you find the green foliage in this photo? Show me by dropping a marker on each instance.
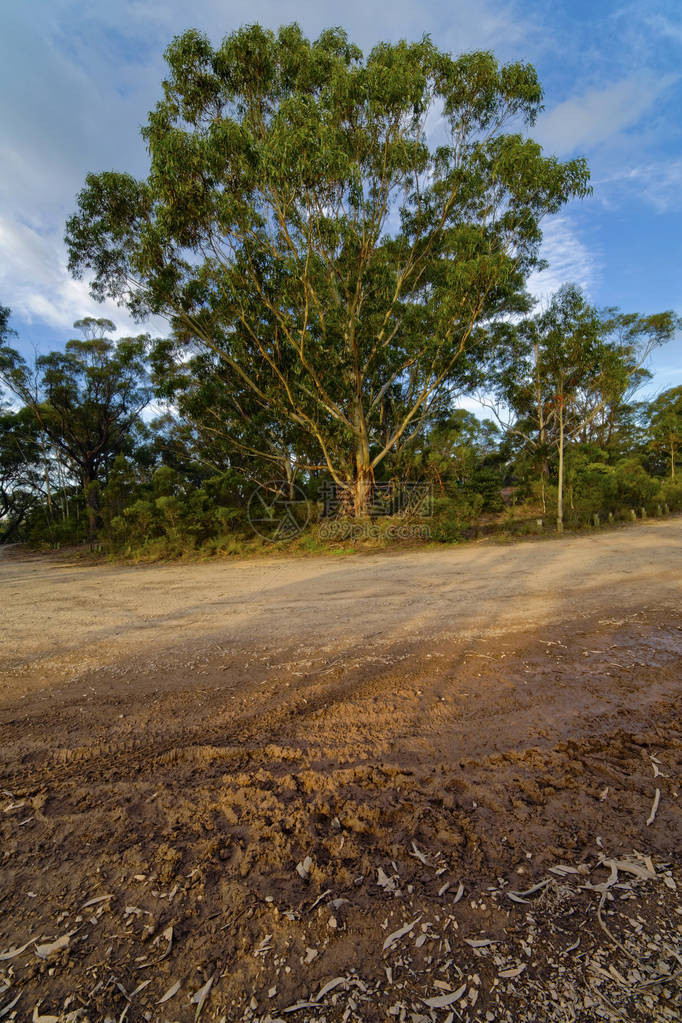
(335, 284)
(597, 487)
(566, 376)
(665, 428)
(21, 472)
(336, 270)
(671, 494)
(454, 516)
(171, 524)
(86, 401)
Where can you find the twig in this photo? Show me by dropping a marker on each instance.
(608, 1004)
(610, 935)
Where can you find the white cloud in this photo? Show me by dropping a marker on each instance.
(663, 26)
(35, 282)
(77, 80)
(599, 114)
(659, 183)
(570, 260)
(650, 26)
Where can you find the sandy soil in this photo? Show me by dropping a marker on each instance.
(242, 778)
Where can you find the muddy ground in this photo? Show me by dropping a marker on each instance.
(436, 785)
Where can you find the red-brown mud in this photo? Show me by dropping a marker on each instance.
(254, 820)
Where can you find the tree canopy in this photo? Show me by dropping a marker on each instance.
(86, 400)
(567, 373)
(666, 426)
(338, 232)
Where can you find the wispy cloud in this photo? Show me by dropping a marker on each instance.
(650, 31)
(570, 260)
(34, 277)
(664, 26)
(596, 116)
(78, 79)
(658, 183)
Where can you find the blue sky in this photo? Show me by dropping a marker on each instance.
(77, 80)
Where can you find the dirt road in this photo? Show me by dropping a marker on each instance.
(61, 620)
(262, 769)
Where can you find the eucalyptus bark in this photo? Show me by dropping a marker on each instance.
(560, 490)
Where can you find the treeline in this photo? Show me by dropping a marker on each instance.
(341, 244)
(84, 460)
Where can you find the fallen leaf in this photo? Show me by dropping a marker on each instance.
(168, 935)
(384, 881)
(303, 868)
(329, 986)
(12, 952)
(319, 898)
(140, 987)
(630, 867)
(37, 1018)
(49, 948)
(418, 855)
(442, 1001)
(172, 990)
(93, 902)
(200, 996)
(522, 896)
(652, 816)
(264, 946)
(9, 1006)
(392, 939)
(513, 971)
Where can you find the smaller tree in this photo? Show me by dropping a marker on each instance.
(22, 470)
(87, 400)
(665, 426)
(568, 374)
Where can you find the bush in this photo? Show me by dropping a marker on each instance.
(453, 515)
(671, 494)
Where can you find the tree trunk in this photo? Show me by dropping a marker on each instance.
(362, 484)
(46, 474)
(560, 493)
(544, 469)
(90, 491)
(543, 473)
(289, 469)
(362, 491)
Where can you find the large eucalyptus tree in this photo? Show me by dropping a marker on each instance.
(339, 231)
